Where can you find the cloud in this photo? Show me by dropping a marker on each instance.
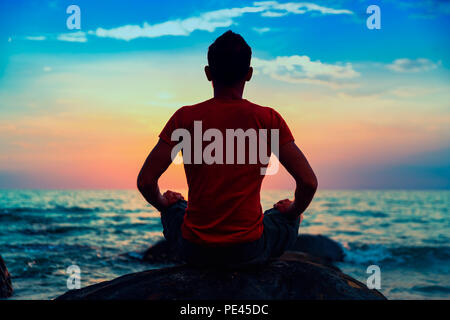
(301, 69)
(36, 38)
(297, 8)
(79, 36)
(211, 20)
(273, 14)
(261, 30)
(207, 21)
(411, 65)
(412, 92)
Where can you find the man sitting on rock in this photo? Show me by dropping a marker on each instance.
(222, 222)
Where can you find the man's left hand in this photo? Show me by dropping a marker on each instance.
(171, 197)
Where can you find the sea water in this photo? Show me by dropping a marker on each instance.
(104, 232)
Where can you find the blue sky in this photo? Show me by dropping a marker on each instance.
(370, 107)
(412, 28)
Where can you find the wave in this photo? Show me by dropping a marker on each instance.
(39, 230)
(12, 212)
(405, 255)
(46, 247)
(58, 209)
(364, 213)
(432, 289)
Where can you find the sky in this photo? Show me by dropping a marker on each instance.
(82, 108)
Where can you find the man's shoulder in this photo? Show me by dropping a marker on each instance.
(259, 106)
(191, 107)
(261, 109)
(254, 107)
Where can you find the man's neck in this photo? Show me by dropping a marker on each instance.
(229, 93)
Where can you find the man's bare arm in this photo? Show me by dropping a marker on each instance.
(306, 182)
(154, 166)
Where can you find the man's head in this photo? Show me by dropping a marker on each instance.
(229, 60)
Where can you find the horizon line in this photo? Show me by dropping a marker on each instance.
(262, 190)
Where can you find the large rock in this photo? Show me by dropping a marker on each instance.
(317, 245)
(162, 253)
(292, 276)
(6, 288)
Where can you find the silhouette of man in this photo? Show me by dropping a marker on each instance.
(222, 223)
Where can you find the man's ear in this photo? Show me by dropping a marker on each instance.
(208, 73)
(249, 74)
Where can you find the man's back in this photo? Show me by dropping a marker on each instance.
(224, 191)
(226, 143)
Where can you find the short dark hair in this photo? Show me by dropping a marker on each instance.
(229, 58)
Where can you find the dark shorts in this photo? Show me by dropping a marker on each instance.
(280, 233)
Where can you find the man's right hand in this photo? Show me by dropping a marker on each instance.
(288, 207)
(284, 205)
(306, 182)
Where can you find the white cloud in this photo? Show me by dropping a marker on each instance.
(36, 38)
(412, 65)
(207, 21)
(211, 20)
(261, 30)
(273, 14)
(297, 8)
(412, 92)
(301, 69)
(79, 36)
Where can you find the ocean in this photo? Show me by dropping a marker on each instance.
(43, 232)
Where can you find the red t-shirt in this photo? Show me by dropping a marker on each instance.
(224, 199)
